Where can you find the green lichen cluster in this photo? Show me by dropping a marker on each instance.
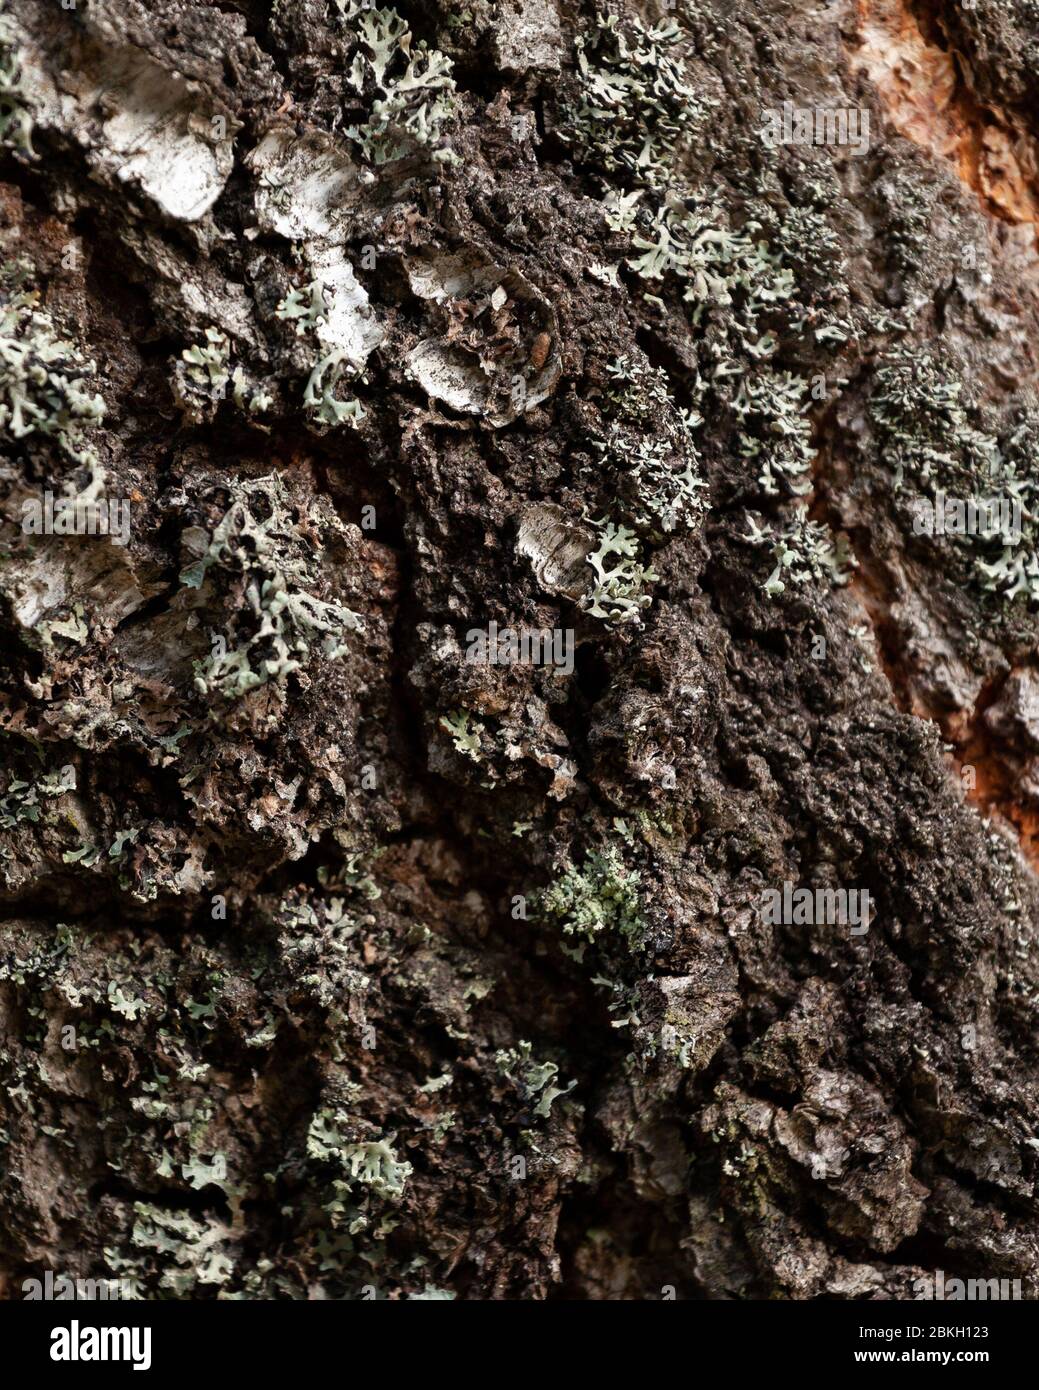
(464, 735)
(370, 1164)
(739, 292)
(617, 594)
(318, 948)
(804, 552)
(43, 377)
(909, 207)
(404, 90)
(648, 451)
(202, 374)
(532, 1077)
(929, 441)
(925, 430)
(207, 363)
(15, 117)
(21, 802)
(775, 432)
(309, 309)
(730, 281)
(597, 901)
(334, 1177)
(248, 394)
(635, 111)
(716, 266)
(306, 308)
(358, 1178)
(279, 626)
(320, 396)
(192, 1250)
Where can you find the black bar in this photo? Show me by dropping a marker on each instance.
(230, 1338)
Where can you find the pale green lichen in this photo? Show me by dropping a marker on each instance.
(375, 1165)
(617, 590)
(247, 394)
(803, 551)
(122, 839)
(731, 280)
(353, 874)
(43, 390)
(86, 854)
(465, 738)
(127, 1005)
(775, 433)
(371, 1163)
(404, 90)
(207, 363)
(281, 626)
(310, 310)
(930, 442)
(635, 110)
(635, 114)
(437, 1083)
(649, 450)
(307, 308)
(202, 374)
(532, 1077)
(15, 117)
(319, 950)
(718, 267)
(193, 1248)
(201, 1174)
(21, 802)
(320, 394)
(598, 900)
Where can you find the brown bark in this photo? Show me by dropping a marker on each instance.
(335, 960)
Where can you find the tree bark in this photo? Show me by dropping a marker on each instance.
(519, 774)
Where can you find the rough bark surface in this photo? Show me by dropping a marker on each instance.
(333, 961)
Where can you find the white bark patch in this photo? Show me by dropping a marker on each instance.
(304, 185)
(137, 123)
(557, 548)
(304, 188)
(498, 354)
(44, 581)
(158, 139)
(351, 327)
(449, 375)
